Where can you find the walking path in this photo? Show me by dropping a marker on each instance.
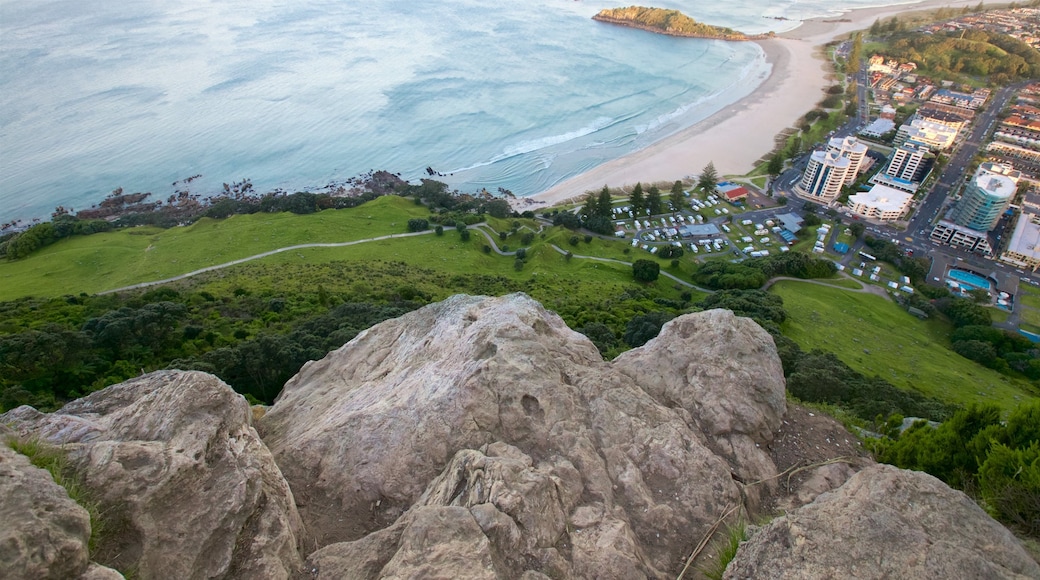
(263, 255)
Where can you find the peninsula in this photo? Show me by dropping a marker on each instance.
(670, 22)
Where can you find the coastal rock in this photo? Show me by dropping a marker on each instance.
(494, 408)
(724, 371)
(44, 533)
(187, 487)
(885, 522)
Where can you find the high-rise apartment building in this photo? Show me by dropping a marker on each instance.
(986, 196)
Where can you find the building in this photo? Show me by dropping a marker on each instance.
(949, 233)
(824, 176)
(880, 203)
(936, 136)
(878, 127)
(1014, 151)
(1023, 250)
(732, 191)
(942, 115)
(851, 149)
(986, 196)
(910, 162)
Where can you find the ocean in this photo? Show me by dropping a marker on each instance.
(298, 95)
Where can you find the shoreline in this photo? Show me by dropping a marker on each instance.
(737, 136)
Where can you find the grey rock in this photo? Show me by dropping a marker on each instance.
(495, 406)
(188, 488)
(725, 372)
(885, 522)
(43, 533)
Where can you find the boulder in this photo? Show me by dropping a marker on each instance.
(725, 372)
(493, 406)
(885, 522)
(44, 533)
(187, 488)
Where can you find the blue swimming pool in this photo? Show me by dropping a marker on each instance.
(969, 281)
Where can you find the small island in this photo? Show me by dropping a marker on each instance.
(670, 22)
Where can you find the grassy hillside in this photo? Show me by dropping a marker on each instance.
(876, 337)
(115, 259)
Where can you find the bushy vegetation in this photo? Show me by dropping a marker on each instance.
(914, 268)
(974, 53)
(754, 273)
(667, 21)
(994, 461)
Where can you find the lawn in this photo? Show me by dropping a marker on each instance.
(1028, 305)
(876, 337)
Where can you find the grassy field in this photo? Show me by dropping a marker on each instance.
(112, 260)
(116, 259)
(876, 337)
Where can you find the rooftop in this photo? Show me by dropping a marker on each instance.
(1026, 239)
(882, 197)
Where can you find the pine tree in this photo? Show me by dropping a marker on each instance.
(676, 196)
(605, 204)
(591, 206)
(653, 200)
(637, 201)
(708, 179)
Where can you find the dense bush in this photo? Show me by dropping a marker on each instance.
(974, 451)
(646, 270)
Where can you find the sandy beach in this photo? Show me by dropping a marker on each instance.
(736, 137)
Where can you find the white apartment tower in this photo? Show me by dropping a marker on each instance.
(824, 176)
(851, 149)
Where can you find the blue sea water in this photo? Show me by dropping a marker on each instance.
(96, 95)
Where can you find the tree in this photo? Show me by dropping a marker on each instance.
(875, 29)
(646, 270)
(708, 179)
(857, 229)
(676, 196)
(856, 52)
(637, 201)
(418, 225)
(591, 207)
(640, 329)
(653, 200)
(776, 166)
(604, 205)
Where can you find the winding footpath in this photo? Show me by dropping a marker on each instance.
(263, 255)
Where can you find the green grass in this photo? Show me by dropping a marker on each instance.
(842, 283)
(54, 461)
(725, 550)
(999, 315)
(116, 259)
(876, 337)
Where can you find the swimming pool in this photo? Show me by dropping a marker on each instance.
(969, 281)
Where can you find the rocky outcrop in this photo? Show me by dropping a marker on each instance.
(724, 371)
(44, 533)
(885, 522)
(482, 438)
(187, 487)
(494, 408)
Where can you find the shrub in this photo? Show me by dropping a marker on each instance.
(418, 225)
(646, 270)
